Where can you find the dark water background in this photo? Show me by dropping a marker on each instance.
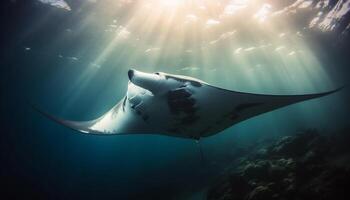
(41, 159)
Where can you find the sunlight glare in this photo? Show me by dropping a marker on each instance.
(171, 3)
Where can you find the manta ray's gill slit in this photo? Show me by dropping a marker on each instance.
(124, 102)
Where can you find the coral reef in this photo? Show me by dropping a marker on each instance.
(307, 165)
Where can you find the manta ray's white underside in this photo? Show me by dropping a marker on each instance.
(180, 106)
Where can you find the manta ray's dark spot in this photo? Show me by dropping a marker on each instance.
(179, 100)
(190, 110)
(179, 93)
(189, 119)
(245, 106)
(183, 105)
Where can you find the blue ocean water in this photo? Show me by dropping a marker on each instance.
(74, 64)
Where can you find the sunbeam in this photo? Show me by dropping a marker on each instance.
(247, 45)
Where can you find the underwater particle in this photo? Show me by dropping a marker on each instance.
(322, 4)
(265, 45)
(68, 30)
(57, 3)
(60, 56)
(123, 33)
(281, 35)
(95, 65)
(189, 69)
(279, 48)
(249, 49)
(293, 8)
(150, 50)
(211, 23)
(298, 33)
(291, 53)
(314, 22)
(27, 48)
(305, 4)
(113, 26)
(191, 18)
(238, 50)
(223, 37)
(202, 8)
(258, 66)
(233, 7)
(263, 12)
(73, 58)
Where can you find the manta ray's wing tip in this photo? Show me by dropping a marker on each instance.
(334, 90)
(340, 88)
(81, 127)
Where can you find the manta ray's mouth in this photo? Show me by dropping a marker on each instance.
(131, 74)
(148, 81)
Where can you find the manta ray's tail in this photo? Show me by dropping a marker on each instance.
(201, 154)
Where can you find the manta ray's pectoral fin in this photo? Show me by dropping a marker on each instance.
(85, 127)
(251, 105)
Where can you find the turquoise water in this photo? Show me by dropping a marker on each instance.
(74, 65)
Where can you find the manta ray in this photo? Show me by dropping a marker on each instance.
(180, 106)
